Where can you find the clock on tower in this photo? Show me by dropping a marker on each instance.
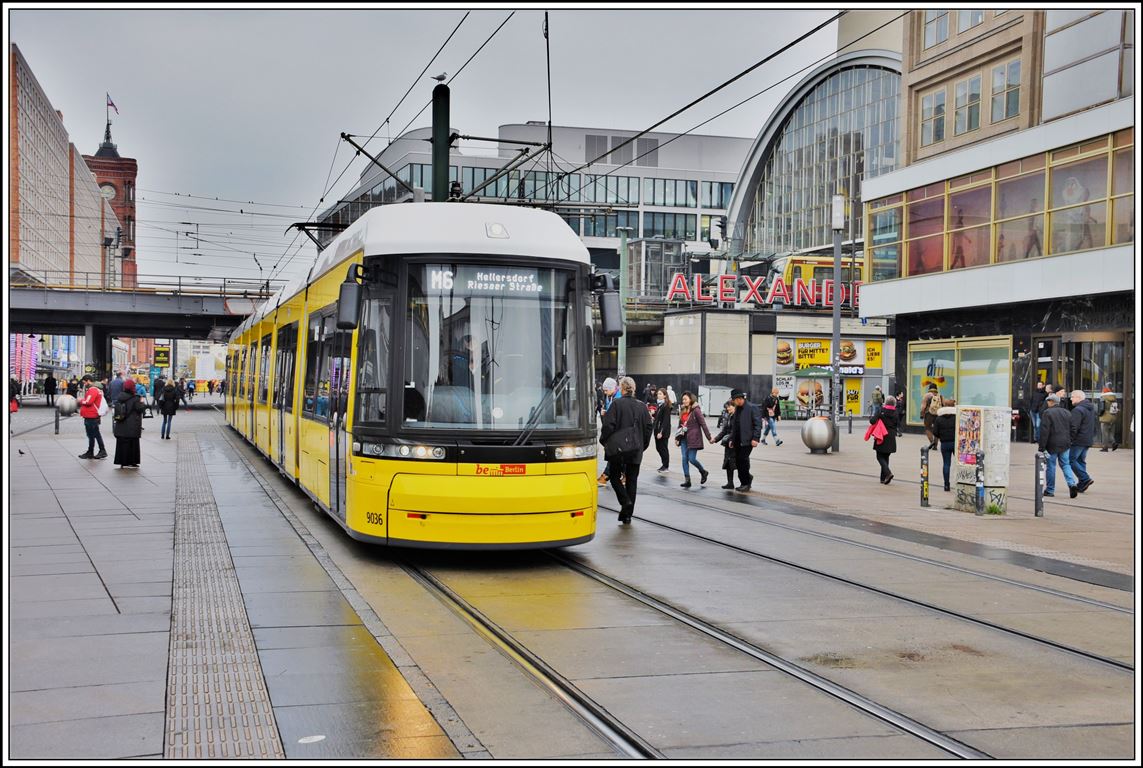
(108, 191)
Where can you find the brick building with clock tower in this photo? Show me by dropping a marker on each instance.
(115, 176)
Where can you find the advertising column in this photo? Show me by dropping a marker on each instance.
(982, 429)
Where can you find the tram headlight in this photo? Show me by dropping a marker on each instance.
(381, 451)
(583, 451)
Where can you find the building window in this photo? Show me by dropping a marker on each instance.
(933, 118)
(967, 116)
(936, 27)
(675, 226)
(1006, 91)
(716, 194)
(671, 193)
(594, 148)
(604, 224)
(966, 20)
(622, 190)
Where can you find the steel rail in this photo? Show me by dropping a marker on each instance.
(1122, 666)
(609, 728)
(870, 707)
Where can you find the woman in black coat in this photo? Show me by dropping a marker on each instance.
(888, 445)
(945, 429)
(168, 405)
(662, 428)
(129, 428)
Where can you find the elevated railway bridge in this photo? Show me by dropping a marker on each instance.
(157, 306)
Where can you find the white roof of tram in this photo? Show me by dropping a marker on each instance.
(446, 228)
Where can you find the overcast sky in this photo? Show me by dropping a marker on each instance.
(247, 105)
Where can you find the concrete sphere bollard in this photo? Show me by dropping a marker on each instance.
(66, 405)
(817, 434)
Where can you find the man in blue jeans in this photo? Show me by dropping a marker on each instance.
(1055, 440)
(1083, 435)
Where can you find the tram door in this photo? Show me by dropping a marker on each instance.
(338, 372)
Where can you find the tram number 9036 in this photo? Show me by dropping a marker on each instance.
(374, 518)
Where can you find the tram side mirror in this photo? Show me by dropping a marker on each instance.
(348, 305)
(610, 315)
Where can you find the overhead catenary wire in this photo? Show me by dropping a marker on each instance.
(768, 88)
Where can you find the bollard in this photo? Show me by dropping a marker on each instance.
(979, 483)
(851, 423)
(1041, 481)
(925, 476)
(57, 421)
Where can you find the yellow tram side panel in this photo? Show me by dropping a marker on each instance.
(472, 503)
(314, 435)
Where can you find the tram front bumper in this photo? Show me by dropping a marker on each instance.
(502, 510)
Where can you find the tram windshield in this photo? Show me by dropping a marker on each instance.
(489, 346)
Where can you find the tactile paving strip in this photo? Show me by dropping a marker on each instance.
(217, 703)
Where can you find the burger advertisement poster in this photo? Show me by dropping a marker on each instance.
(791, 355)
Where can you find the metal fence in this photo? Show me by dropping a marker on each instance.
(226, 287)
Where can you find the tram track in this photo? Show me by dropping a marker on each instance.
(613, 730)
(1115, 663)
(895, 553)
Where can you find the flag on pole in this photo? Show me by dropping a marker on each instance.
(111, 104)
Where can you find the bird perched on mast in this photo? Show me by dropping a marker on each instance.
(441, 77)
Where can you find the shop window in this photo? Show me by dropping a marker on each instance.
(970, 247)
(1020, 196)
(967, 117)
(1079, 228)
(984, 375)
(1076, 222)
(932, 118)
(1005, 91)
(971, 207)
(929, 365)
(1020, 238)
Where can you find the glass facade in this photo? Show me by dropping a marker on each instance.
(974, 371)
(1072, 199)
(845, 130)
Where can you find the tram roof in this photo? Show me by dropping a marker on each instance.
(415, 228)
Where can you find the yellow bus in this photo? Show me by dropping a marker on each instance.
(429, 383)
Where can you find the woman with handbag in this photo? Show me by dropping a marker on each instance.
(662, 428)
(692, 426)
(625, 435)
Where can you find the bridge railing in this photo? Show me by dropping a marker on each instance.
(177, 285)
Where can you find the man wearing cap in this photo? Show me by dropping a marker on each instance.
(1055, 440)
(745, 433)
(89, 410)
(1082, 433)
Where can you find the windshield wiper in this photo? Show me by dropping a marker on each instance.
(558, 386)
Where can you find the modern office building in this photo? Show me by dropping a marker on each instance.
(1003, 248)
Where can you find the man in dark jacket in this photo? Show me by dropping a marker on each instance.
(1036, 407)
(1082, 435)
(1055, 440)
(50, 389)
(745, 436)
(626, 415)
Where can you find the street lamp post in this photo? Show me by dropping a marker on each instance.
(838, 224)
(621, 364)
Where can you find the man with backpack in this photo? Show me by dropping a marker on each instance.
(930, 407)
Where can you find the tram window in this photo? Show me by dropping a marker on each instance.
(241, 373)
(253, 358)
(485, 346)
(337, 364)
(284, 367)
(313, 358)
(264, 371)
(373, 336)
(327, 369)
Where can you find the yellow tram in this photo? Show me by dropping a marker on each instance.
(429, 383)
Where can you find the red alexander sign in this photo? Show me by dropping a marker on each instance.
(801, 293)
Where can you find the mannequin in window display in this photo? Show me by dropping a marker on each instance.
(1032, 238)
(958, 242)
(1077, 234)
